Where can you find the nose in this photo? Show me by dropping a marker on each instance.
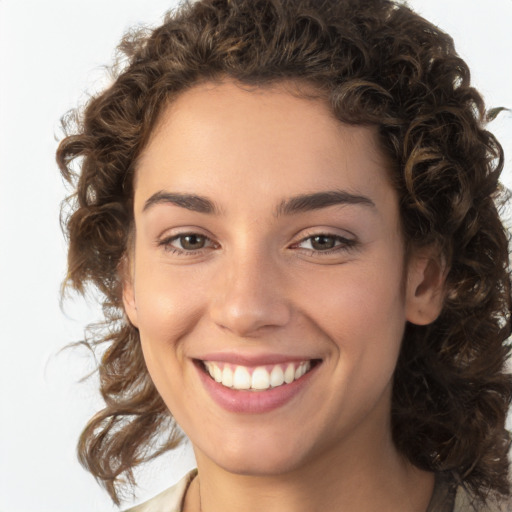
(249, 296)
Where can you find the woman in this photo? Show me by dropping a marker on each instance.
(289, 208)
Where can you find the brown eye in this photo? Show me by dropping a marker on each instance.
(187, 244)
(325, 243)
(192, 242)
(322, 242)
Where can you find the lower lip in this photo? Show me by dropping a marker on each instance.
(253, 402)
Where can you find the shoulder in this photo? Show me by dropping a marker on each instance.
(464, 503)
(450, 497)
(169, 500)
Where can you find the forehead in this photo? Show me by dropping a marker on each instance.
(225, 137)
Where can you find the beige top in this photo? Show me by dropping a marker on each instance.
(446, 498)
(170, 500)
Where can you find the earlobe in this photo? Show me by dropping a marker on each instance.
(425, 289)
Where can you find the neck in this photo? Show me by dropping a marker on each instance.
(366, 478)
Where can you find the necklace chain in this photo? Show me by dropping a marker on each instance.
(199, 491)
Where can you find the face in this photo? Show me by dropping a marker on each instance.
(267, 278)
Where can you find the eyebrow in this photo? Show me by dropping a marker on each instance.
(191, 202)
(296, 204)
(319, 200)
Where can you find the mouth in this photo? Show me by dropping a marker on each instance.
(256, 378)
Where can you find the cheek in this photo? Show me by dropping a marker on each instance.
(362, 311)
(362, 314)
(361, 298)
(168, 309)
(168, 302)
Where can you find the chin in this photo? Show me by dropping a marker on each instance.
(259, 458)
(260, 467)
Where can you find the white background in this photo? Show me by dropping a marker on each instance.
(51, 54)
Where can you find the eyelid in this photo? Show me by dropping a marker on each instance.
(339, 233)
(343, 242)
(183, 230)
(165, 240)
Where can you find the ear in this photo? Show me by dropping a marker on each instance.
(129, 303)
(426, 275)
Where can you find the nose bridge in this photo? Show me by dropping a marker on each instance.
(249, 293)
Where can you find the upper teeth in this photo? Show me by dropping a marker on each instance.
(261, 378)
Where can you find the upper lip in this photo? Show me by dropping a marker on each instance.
(253, 359)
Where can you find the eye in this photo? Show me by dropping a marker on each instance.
(325, 243)
(191, 242)
(186, 243)
(322, 242)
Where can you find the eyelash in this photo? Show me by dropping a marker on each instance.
(343, 244)
(167, 244)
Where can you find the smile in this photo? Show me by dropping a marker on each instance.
(259, 378)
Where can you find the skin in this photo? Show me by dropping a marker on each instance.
(259, 286)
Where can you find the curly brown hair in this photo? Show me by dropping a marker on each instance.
(376, 63)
